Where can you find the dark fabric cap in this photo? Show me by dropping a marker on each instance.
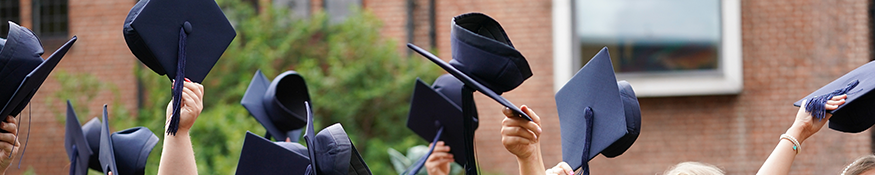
(434, 107)
(595, 87)
(261, 156)
(633, 121)
(92, 134)
(152, 32)
(78, 150)
(331, 152)
(22, 70)
(126, 151)
(482, 50)
(856, 115)
(278, 105)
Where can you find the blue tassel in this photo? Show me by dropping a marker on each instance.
(817, 104)
(177, 86)
(587, 116)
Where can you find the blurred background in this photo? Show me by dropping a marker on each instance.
(359, 74)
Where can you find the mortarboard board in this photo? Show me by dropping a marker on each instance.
(78, 150)
(167, 35)
(23, 70)
(261, 156)
(331, 152)
(278, 105)
(483, 58)
(855, 115)
(435, 110)
(597, 114)
(125, 151)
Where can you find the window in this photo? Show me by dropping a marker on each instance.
(50, 18)
(8, 12)
(338, 10)
(663, 48)
(298, 9)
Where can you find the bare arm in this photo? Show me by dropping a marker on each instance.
(521, 138)
(178, 154)
(781, 159)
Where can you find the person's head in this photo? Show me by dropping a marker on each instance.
(862, 166)
(694, 168)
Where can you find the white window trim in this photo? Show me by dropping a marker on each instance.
(731, 81)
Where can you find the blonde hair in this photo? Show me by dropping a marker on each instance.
(694, 168)
(860, 165)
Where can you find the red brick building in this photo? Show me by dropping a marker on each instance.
(787, 49)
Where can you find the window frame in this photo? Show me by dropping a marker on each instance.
(729, 80)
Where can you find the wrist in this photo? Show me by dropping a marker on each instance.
(796, 132)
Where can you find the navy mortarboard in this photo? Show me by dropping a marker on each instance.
(78, 150)
(597, 114)
(167, 35)
(436, 114)
(23, 70)
(261, 156)
(856, 115)
(278, 105)
(483, 58)
(126, 151)
(331, 152)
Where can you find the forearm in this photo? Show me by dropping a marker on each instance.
(178, 155)
(781, 159)
(533, 165)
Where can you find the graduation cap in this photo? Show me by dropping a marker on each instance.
(261, 156)
(855, 115)
(125, 151)
(23, 70)
(78, 150)
(436, 114)
(278, 105)
(597, 114)
(331, 152)
(483, 58)
(167, 35)
(90, 133)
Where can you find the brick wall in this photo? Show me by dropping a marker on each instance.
(790, 48)
(100, 51)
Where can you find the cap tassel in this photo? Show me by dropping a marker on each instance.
(73, 160)
(418, 165)
(587, 115)
(817, 104)
(177, 85)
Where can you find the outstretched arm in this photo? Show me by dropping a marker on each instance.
(781, 159)
(520, 138)
(178, 154)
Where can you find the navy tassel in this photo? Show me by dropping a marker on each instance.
(817, 104)
(588, 138)
(177, 86)
(73, 160)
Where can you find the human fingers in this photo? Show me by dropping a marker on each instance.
(7, 140)
(532, 114)
(520, 132)
(193, 87)
(564, 167)
(189, 99)
(839, 97)
(442, 148)
(508, 113)
(9, 127)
